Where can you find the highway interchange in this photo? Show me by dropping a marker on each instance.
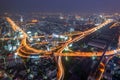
(25, 50)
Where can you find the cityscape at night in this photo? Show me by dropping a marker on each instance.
(59, 40)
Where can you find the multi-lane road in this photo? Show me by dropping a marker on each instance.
(25, 50)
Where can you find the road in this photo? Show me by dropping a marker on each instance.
(25, 50)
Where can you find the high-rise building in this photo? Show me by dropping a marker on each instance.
(21, 19)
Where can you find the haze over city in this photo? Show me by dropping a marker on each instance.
(83, 6)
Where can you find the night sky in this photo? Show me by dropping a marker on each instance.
(60, 5)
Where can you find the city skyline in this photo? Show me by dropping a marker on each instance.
(59, 40)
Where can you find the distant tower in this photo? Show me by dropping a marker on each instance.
(21, 19)
(61, 16)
